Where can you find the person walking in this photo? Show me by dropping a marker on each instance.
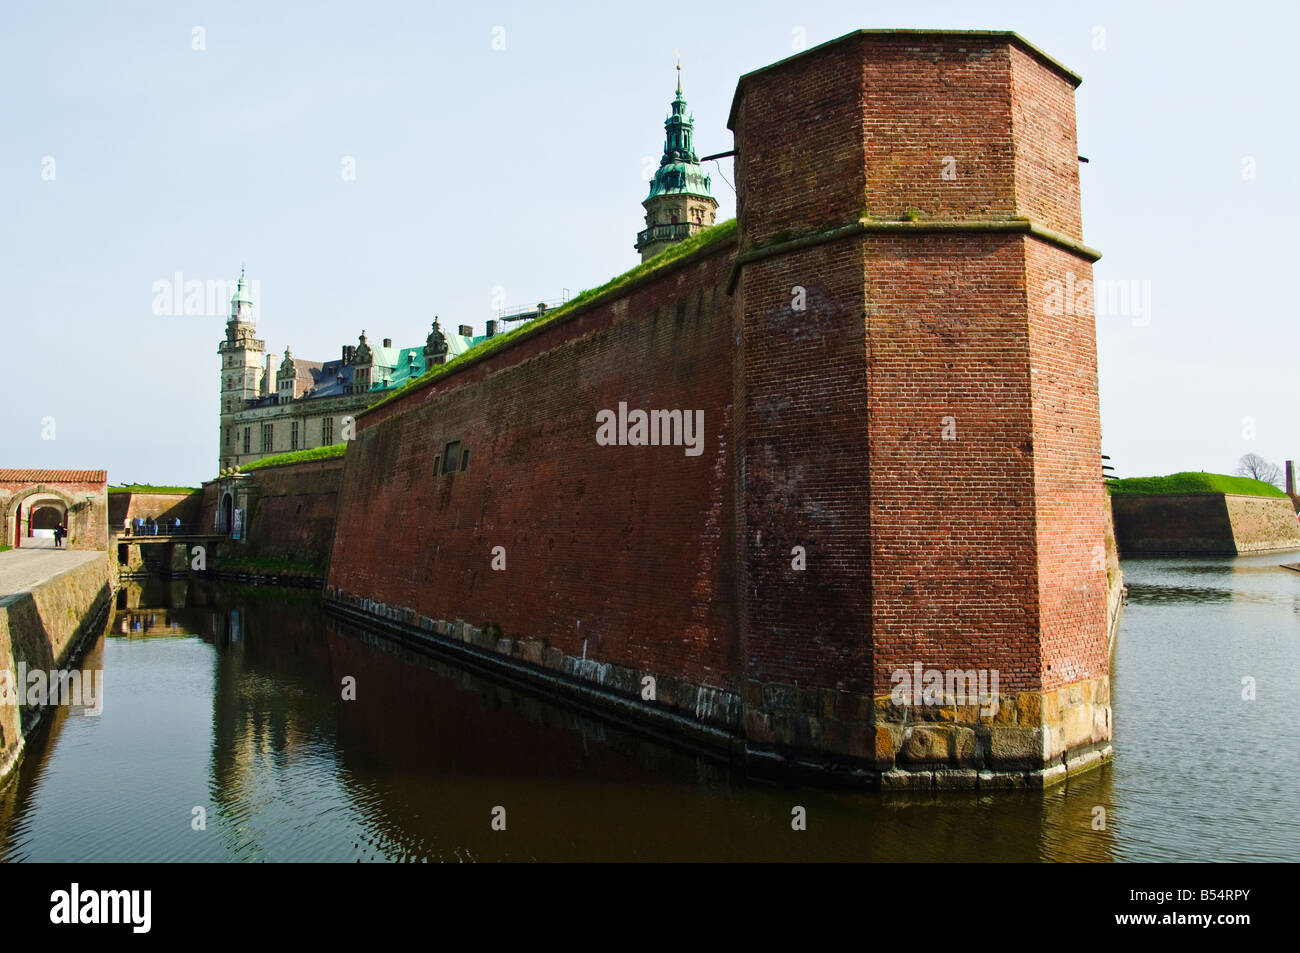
(58, 535)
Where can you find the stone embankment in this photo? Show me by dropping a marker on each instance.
(1221, 524)
(52, 605)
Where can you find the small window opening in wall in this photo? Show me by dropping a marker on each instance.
(464, 460)
(451, 457)
(437, 462)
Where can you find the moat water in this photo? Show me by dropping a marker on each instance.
(228, 700)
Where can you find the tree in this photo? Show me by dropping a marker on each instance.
(1254, 466)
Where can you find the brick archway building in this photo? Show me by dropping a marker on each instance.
(79, 496)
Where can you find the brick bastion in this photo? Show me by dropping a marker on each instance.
(884, 472)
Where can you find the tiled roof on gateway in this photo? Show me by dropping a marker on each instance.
(53, 476)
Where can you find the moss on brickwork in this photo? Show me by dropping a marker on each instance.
(297, 456)
(268, 564)
(1183, 483)
(697, 243)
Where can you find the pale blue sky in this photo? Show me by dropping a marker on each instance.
(525, 168)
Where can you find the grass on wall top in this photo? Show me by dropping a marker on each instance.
(296, 456)
(149, 488)
(1181, 483)
(706, 238)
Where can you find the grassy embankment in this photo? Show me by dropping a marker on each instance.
(1184, 483)
(296, 456)
(147, 488)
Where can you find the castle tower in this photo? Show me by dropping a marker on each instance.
(681, 202)
(242, 365)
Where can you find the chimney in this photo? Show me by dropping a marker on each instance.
(1290, 478)
(466, 331)
(268, 382)
(491, 328)
(388, 342)
(348, 351)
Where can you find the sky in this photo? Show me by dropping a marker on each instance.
(374, 164)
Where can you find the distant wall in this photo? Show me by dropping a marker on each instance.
(163, 507)
(1260, 524)
(293, 511)
(1203, 523)
(289, 511)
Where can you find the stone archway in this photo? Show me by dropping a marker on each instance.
(227, 513)
(23, 506)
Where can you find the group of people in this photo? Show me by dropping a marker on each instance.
(149, 526)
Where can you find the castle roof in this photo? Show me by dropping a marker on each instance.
(241, 291)
(53, 476)
(305, 370)
(391, 367)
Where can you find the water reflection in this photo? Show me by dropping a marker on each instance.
(229, 703)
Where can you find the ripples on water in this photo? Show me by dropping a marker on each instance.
(231, 703)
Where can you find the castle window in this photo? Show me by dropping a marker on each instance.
(437, 461)
(326, 431)
(464, 460)
(247, 438)
(267, 437)
(293, 435)
(451, 457)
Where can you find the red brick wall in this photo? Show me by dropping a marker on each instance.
(927, 99)
(940, 325)
(1046, 148)
(1070, 498)
(295, 511)
(953, 545)
(799, 140)
(825, 378)
(626, 549)
(802, 387)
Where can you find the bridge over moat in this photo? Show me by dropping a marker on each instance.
(161, 551)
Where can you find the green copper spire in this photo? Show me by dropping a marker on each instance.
(241, 291)
(679, 168)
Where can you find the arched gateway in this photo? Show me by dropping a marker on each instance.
(33, 502)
